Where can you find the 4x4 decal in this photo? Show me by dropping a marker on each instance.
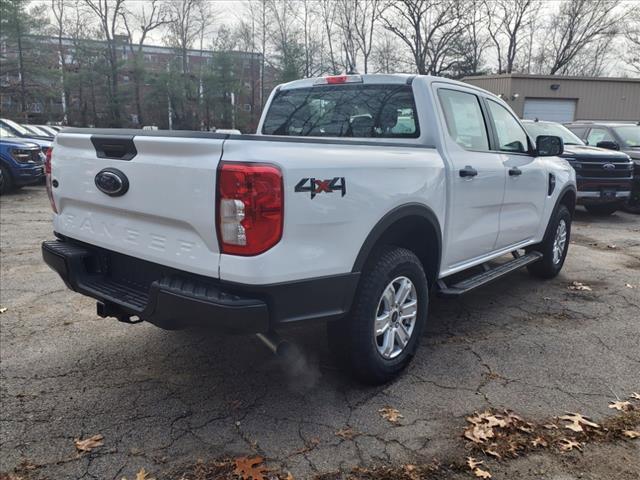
(315, 186)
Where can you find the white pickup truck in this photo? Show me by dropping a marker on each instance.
(358, 197)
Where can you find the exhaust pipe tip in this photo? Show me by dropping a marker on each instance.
(275, 343)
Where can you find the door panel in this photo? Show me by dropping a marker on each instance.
(475, 200)
(526, 182)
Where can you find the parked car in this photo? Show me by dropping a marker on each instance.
(19, 131)
(21, 162)
(38, 132)
(616, 136)
(49, 129)
(358, 196)
(604, 177)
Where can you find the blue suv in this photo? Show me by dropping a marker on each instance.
(21, 162)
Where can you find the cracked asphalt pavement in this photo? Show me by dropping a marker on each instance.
(165, 399)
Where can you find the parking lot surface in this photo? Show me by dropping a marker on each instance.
(165, 399)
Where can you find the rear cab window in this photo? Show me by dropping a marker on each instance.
(356, 111)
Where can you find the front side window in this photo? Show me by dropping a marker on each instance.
(358, 111)
(599, 135)
(464, 119)
(511, 135)
(630, 135)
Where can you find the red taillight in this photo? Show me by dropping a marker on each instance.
(47, 172)
(337, 79)
(250, 207)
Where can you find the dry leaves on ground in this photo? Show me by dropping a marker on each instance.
(576, 422)
(474, 465)
(3, 309)
(390, 414)
(632, 434)
(143, 475)
(635, 395)
(250, 468)
(579, 286)
(622, 406)
(567, 445)
(346, 433)
(90, 443)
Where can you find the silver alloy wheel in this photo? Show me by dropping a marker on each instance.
(559, 242)
(396, 317)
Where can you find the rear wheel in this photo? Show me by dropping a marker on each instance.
(603, 210)
(381, 335)
(6, 182)
(554, 246)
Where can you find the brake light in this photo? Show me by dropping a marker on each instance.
(338, 79)
(47, 173)
(249, 207)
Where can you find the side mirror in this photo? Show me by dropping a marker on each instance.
(549, 146)
(608, 144)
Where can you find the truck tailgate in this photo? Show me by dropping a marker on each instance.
(167, 215)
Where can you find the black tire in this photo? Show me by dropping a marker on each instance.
(603, 210)
(6, 182)
(547, 267)
(353, 339)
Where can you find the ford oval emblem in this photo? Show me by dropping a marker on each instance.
(609, 166)
(112, 182)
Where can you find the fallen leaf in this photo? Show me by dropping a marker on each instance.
(576, 421)
(635, 395)
(493, 453)
(411, 471)
(390, 414)
(3, 309)
(473, 463)
(89, 444)
(628, 285)
(479, 433)
(632, 434)
(567, 445)
(539, 442)
(620, 406)
(250, 468)
(526, 428)
(143, 475)
(579, 286)
(478, 472)
(551, 426)
(289, 476)
(346, 433)
(612, 246)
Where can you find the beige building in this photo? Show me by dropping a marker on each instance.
(565, 99)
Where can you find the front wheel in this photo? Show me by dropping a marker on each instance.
(381, 335)
(6, 183)
(554, 246)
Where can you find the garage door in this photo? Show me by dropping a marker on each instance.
(553, 110)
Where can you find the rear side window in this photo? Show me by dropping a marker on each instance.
(579, 131)
(359, 111)
(464, 119)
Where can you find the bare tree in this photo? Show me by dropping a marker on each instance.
(386, 54)
(108, 13)
(140, 23)
(187, 21)
(632, 37)
(60, 17)
(430, 28)
(346, 20)
(578, 25)
(508, 20)
(365, 19)
(328, 14)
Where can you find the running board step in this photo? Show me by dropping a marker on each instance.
(487, 276)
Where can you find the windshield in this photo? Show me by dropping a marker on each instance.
(359, 111)
(35, 130)
(538, 128)
(4, 133)
(629, 135)
(17, 127)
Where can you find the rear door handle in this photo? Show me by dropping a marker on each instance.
(468, 171)
(515, 171)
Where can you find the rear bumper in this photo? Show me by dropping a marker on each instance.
(127, 287)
